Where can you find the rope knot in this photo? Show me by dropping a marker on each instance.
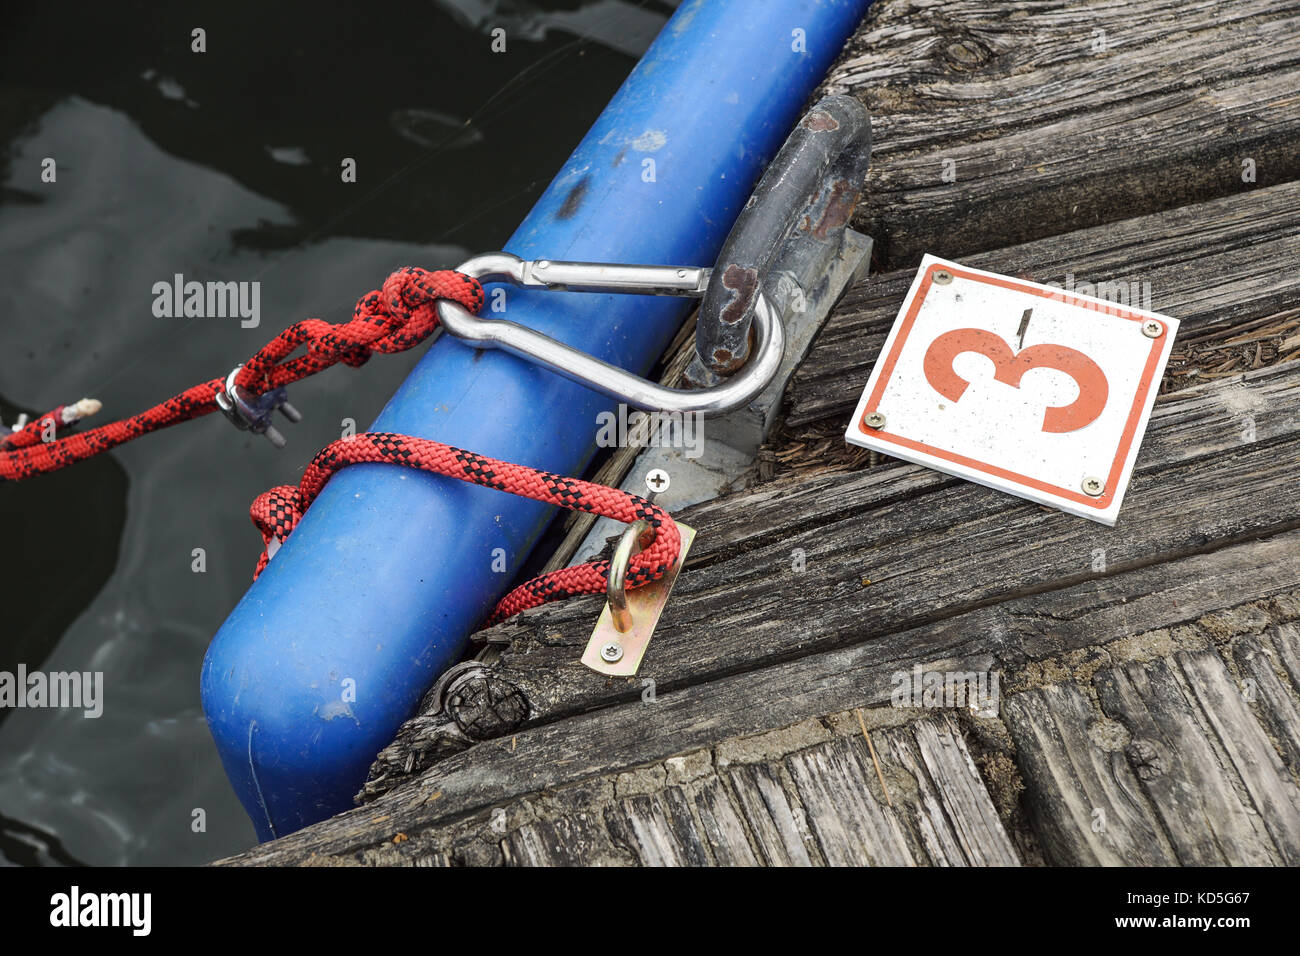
(390, 319)
(401, 314)
(410, 297)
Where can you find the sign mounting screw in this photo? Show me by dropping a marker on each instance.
(1094, 487)
(874, 420)
(1153, 329)
(942, 277)
(611, 652)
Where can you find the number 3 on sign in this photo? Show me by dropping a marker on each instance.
(1011, 367)
(1072, 449)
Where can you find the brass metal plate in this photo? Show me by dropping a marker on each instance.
(646, 604)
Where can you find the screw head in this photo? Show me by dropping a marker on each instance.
(1094, 487)
(1153, 329)
(542, 263)
(942, 277)
(874, 420)
(657, 480)
(611, 652)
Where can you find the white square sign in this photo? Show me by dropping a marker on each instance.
(1022, 387)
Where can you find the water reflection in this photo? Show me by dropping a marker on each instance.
(221, 166)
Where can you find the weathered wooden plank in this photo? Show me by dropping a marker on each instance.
(1171, 767)
(926, 557)
(659, 829)
(944, 816)
(962, 797)
(1213, 266)
(1159, 595)
(1019, 631)
(1287, 642)
(1033, 627)
(747, 801)
(1272, 792)
(1199, 798)
(721, 824)
(576, 839)
(566, 752)
(998, 122)
(1274, 700)
(780, 836)
(851, 826)
(1087, 804)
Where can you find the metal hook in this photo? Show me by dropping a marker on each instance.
(634, 539)
(784, 239)
(627, 622)
(574, 364)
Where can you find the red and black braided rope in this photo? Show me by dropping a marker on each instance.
(277, 512)
(392, 319)
(401, 314)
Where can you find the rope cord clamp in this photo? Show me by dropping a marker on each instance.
(252, 413)
(693, 281)
(627, 623)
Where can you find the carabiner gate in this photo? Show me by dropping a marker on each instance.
(690, 281)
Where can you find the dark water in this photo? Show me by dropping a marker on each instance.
(223, 165)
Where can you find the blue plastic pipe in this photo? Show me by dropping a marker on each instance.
(381, 584)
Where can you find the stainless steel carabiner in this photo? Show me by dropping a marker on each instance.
(691, 281)
(785, 238)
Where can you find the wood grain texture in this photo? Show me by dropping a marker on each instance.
(1245, 748)
(1286, 642)
(746, 802)
(1267, 686)
(922, 541)
(1052, 117)
(1204, 763)
(1024, 633)
(1087, 803)
(1169, 765)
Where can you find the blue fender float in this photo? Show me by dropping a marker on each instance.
(390, 570)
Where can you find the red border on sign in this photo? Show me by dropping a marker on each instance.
(1130, 427)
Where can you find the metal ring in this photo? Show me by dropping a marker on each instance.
(637, 535)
